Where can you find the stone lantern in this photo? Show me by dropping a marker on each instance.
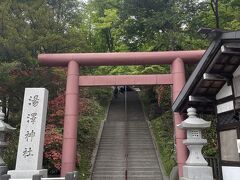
(4, 128)
(195, 167)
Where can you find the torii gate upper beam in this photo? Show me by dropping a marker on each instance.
(123, 58)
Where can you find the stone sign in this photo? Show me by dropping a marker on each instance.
(31, 139)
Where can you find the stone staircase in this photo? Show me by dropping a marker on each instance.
(126, 149)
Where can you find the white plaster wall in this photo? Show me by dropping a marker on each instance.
(236, 85)
(231, 173)
(237, 72)
(224, 92)
(225, 107)
(227, 90)
(236, 82)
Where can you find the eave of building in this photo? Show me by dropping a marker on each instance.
(217, 65)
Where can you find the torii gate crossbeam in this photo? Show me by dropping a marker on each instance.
(118, 80)
(174, 58)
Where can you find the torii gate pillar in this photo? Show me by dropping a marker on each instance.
(178, 75)
(70, 119)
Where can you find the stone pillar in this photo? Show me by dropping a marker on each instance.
(4, 128)
(32, 132)
(178, 75)
(70, 119)
(196, 166)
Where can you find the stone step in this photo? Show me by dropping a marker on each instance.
(111, 154)
(139, 153)
(112, 149)
(126, 145)
(137, 139)
(137, 144)
(111, 158)
(120, 168)
(143, 149)
(130, 169)
(110, 164)
(145, 158)
(149, 168)
(144, 178)
(142, 164)
(108, 173)
(113, 143)
(107, 177)
(113, 146)
(143, 173)
(116, 167)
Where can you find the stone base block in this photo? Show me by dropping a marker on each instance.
(174, 173)
(197, 173)
(3, 170)
(20, 174)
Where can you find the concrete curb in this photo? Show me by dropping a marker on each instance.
(165, 177)
(98, 139)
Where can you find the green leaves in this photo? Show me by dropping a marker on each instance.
(32, 27)
(109, 19)
(228, 15)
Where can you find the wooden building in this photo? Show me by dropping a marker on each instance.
(214, 87)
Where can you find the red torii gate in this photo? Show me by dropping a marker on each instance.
(73, 60)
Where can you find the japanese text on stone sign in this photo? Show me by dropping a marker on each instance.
(31, 118)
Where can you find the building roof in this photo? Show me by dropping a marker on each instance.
(215, 68)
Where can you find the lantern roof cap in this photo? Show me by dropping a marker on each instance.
(193, 121)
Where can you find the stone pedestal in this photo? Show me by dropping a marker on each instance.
(3, 170)
(195, 167)
(197, 173)
(21, 174)
(3, 166)
(4, 129)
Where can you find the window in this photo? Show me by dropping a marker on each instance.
(195, 133)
